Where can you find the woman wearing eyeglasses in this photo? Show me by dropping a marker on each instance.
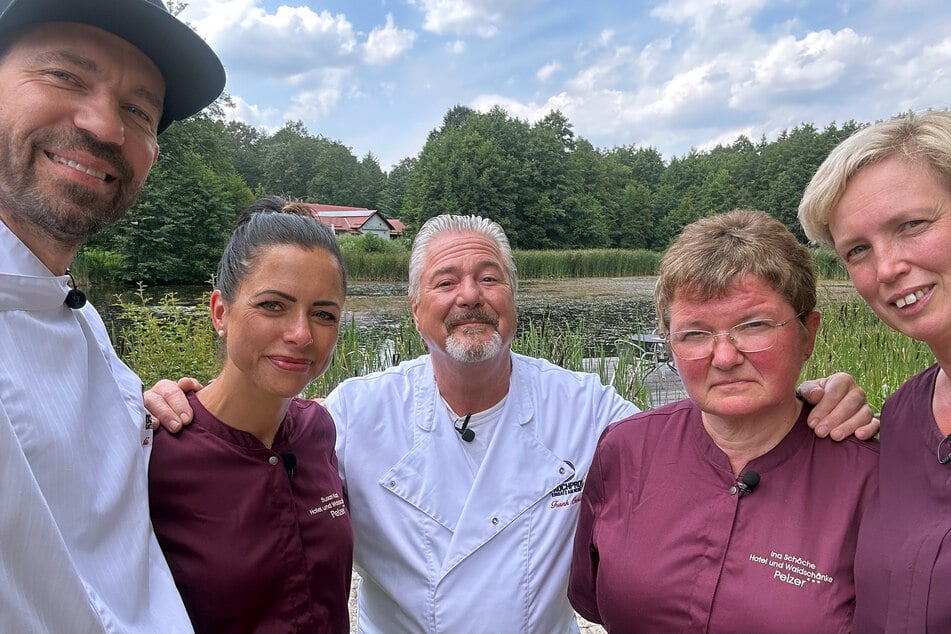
(882, 200)
(724, 512)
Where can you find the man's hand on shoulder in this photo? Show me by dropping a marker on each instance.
(840, 408)
(168, 405)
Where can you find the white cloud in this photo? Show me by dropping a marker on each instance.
(469, 17)
(456, 47)
(387, 43)
(545, 72)
(254, 115)
(812, 63)
(703, 14)
(290, 40)
(526, 111)
(315, 103)
(920, 76)
(685, 73)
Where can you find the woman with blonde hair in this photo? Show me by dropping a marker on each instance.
(882, 200)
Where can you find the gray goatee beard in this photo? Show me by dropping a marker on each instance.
(473, 353)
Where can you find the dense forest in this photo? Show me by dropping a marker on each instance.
(548, 188)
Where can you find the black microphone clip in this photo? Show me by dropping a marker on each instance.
(745, 484)
(290, 464)
(467, 434)
(75, 298)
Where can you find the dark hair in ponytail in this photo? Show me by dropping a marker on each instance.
(267, 222)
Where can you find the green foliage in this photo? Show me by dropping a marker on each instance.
(394, 189)
(383, 267)
(370, 257)
(164, 339)
(339, 179)
(392, 263)
(370, 243)
(356, 355)
(184, 215)
(95, 266)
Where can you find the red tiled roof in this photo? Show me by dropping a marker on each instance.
(344, 219)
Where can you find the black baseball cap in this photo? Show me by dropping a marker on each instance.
(194, 76)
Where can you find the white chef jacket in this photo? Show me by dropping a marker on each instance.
(439, 552)
(77, 551)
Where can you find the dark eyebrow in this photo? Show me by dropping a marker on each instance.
(291, 298)
(68, 58)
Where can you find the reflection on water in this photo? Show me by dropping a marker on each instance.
(607, 309)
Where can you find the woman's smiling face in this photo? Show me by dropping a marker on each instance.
(892, 227)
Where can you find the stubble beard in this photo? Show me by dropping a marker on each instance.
(66, 212)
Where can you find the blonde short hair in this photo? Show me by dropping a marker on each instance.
(923, 139)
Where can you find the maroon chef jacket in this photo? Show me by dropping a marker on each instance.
(903, 561)
(662, 545)
(251, 549)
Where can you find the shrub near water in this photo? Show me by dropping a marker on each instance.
(95, 266)
(165, 339)
(829, 265)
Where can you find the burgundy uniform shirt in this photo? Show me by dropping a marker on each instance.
(251, 549)
(662, 545)
(903, 562)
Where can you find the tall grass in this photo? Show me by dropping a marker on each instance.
(393, 266)
(586, 263)
(558, 343)
(829, 265)
(852, 339)
(377, 267)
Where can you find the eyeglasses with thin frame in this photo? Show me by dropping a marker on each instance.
(755, 335)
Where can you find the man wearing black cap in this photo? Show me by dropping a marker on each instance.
(85, 88)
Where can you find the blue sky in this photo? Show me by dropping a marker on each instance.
(379, 75)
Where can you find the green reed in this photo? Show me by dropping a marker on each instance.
(852, 339)
(586, 263)
(394, 266)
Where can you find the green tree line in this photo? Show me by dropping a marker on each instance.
(549, 188)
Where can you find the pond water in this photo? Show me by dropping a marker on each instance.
(608, 309)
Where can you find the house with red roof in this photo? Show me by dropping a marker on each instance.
(356, 221)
